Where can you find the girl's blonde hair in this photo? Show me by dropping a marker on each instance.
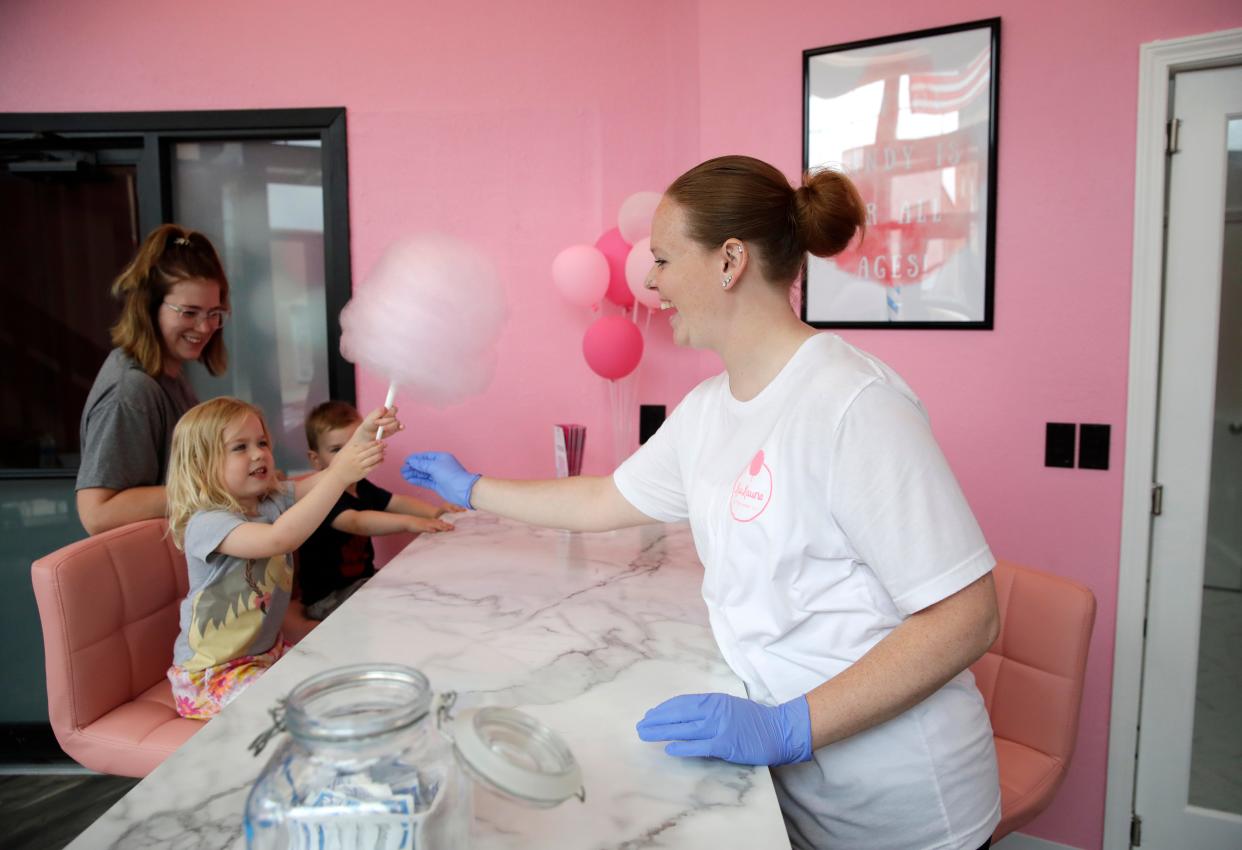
(169, 255)
(197, 458)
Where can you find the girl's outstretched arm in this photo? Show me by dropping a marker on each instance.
(290, 530)
(380, 417)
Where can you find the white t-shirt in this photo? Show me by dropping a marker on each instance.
(824, 514)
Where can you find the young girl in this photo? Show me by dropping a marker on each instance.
(237, 522)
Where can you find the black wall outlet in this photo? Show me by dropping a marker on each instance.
(1093, 446)
(650, 417)
(1059, 444)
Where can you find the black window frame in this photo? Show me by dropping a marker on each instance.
(153, 134)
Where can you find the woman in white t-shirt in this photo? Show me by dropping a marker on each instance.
(847, 582)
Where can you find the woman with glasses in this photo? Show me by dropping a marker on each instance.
(175, 299)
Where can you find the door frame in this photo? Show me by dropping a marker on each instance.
(1158, 61)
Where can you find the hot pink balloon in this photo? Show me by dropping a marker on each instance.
(580, 272)
(637, 267)
(634, 217)
(616, 249)
(612, 347)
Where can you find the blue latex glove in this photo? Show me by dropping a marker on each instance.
(730, 728)
(440, 471)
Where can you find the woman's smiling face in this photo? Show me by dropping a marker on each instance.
(182, 338)
(683, 273)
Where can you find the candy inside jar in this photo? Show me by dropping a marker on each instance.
(375, 759)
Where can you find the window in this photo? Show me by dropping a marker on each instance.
(77, 195)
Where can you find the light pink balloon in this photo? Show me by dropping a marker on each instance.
(637, 267)
(612, 347)
(580, 272)
(427, 318)
(634, 217)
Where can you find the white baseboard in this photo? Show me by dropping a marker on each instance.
(1019, 841)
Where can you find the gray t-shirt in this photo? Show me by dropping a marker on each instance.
(225, 615)
(127, 424)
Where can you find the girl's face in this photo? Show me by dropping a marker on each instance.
(248, 465)
(186, 318)
(683, 274)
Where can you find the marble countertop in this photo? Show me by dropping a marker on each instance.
(583, 631)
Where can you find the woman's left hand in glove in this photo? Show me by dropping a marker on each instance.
(730, 728)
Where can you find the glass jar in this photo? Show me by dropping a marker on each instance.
(374, 759)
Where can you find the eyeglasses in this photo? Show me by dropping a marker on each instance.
(194, 316)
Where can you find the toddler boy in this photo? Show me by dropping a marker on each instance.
(338, 557)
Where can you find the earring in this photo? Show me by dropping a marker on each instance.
(726, 280)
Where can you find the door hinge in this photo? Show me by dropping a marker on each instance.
(1136, 831)
(1171, 131)
(1157, 499)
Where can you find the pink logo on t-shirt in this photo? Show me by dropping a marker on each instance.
(752, 490)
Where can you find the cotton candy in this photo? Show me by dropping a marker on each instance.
(427, 318)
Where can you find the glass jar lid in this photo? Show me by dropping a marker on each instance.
(517, 756)
(357, 701)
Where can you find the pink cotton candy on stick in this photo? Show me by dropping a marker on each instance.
(427, 317)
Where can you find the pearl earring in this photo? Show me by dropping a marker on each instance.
(726, 280)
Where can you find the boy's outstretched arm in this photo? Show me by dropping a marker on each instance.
(412, 506)
(375, 523)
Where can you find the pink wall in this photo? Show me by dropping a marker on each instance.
(1069, 83)
(523, 126)
(518, 126)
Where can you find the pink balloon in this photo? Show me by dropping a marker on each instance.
(580, 272)
(612, 347)
(634, 217)
(616, 249)
(637, 267)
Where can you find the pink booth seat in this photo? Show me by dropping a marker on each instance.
(109, 609)
(1031, 680)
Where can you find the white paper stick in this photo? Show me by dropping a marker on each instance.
(388, 400)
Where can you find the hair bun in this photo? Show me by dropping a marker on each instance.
(828, 211)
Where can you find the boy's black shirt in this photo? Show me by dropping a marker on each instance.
(329, 559)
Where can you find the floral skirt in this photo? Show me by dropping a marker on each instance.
(200, 694)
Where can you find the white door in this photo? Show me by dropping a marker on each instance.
(1188, 787)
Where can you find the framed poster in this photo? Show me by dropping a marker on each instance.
(912, 120)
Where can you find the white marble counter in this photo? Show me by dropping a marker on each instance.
(585, 632)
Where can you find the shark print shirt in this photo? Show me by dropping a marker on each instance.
(234, 606)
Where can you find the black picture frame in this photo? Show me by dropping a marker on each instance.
(912, 119)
